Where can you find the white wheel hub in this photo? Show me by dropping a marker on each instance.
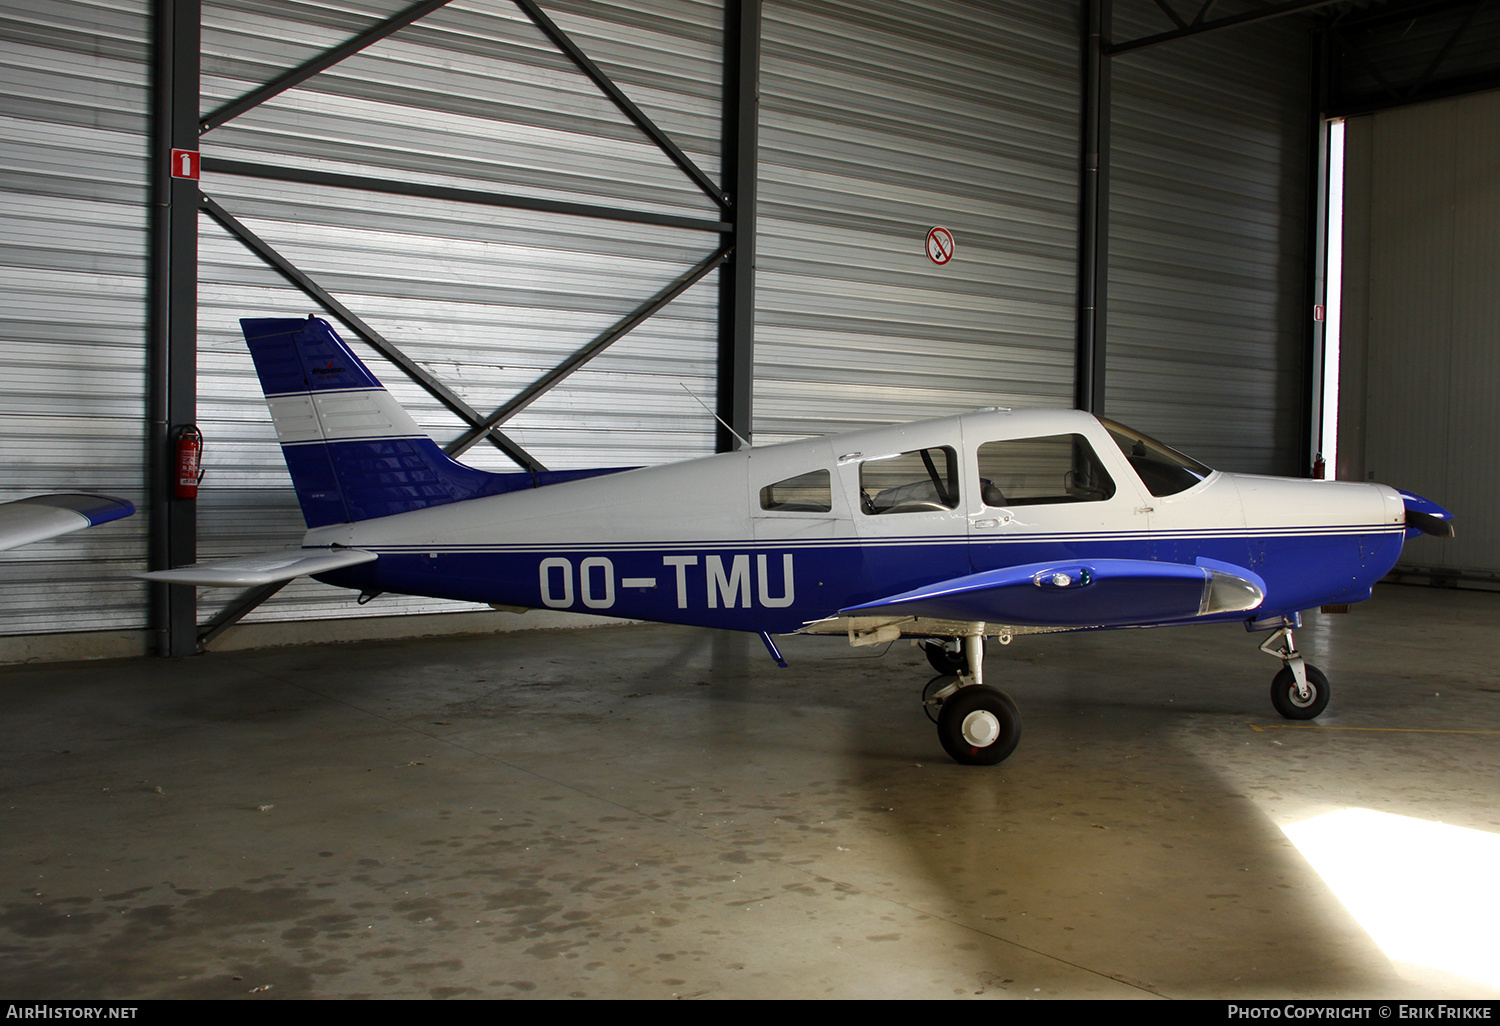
(980, 728)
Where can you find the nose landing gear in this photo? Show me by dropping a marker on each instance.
(1300, 691)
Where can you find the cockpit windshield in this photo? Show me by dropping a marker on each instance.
(1163, 470)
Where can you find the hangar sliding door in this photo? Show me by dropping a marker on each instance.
(1420, 367)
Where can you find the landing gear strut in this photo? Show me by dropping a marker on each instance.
(977, 725)
(1300, 691)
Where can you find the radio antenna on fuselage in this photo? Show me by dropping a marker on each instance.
(715, 416)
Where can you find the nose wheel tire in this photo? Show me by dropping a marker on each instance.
(1292, 705)
(979, 726)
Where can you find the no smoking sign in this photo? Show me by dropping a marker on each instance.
(939, 245)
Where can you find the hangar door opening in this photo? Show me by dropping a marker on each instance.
(1419, 365)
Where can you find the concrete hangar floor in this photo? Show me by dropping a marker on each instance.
(650, 812)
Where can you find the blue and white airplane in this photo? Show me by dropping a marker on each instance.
(985, 525)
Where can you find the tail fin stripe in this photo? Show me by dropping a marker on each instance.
(340, 416)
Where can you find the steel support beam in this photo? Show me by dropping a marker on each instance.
(1385, 27)
(617, 96)
(1199, 28)
(173, 316)
(236, 611)
(601, 342)
(735, 198)
(322, 62)
(307, 176)
(439, 391)
(1170, 13)
(479, 427)
(1447, 48)
(740, 159)
(1093, 231)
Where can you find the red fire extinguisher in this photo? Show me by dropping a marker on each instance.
(188, 447)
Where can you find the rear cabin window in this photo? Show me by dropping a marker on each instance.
(806, 493)
(920, 481)
(1038, 471)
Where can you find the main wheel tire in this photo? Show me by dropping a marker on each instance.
(979, 726)
(944, 661)
(1291, 705)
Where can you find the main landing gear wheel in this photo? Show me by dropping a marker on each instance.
(1292, 705)
(979, 726)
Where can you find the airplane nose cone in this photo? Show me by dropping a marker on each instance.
(1426, 516)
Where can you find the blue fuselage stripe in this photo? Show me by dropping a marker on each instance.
(745, 585)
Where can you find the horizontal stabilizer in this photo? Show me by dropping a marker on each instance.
(46, 516)
(265, 568)
(1085, 593)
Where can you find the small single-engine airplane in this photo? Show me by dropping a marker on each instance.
(39, 517)
(985, 525)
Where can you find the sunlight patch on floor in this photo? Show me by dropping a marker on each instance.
(1427, 893)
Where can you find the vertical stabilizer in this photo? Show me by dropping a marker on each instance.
(353, 452)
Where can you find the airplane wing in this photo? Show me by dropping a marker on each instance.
(1081, 593)
(265, 568)
(46, 516)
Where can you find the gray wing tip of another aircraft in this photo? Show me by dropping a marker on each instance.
(40, 517)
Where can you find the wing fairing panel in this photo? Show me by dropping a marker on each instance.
(1092, 593)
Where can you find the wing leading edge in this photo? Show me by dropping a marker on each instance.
(46, 516)
(1080, 593)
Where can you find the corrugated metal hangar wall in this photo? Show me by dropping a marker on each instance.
(1208, 305)
(1422, 230)
(75, 120)
(877, 120)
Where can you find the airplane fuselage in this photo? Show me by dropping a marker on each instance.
(772, 538)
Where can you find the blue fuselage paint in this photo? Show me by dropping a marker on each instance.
(744, 585)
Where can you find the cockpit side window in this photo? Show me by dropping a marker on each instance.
(920, 481)
(1038, 471)
(806, 493)
(1163, 470)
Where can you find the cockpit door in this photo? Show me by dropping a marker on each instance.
(1046, 497)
